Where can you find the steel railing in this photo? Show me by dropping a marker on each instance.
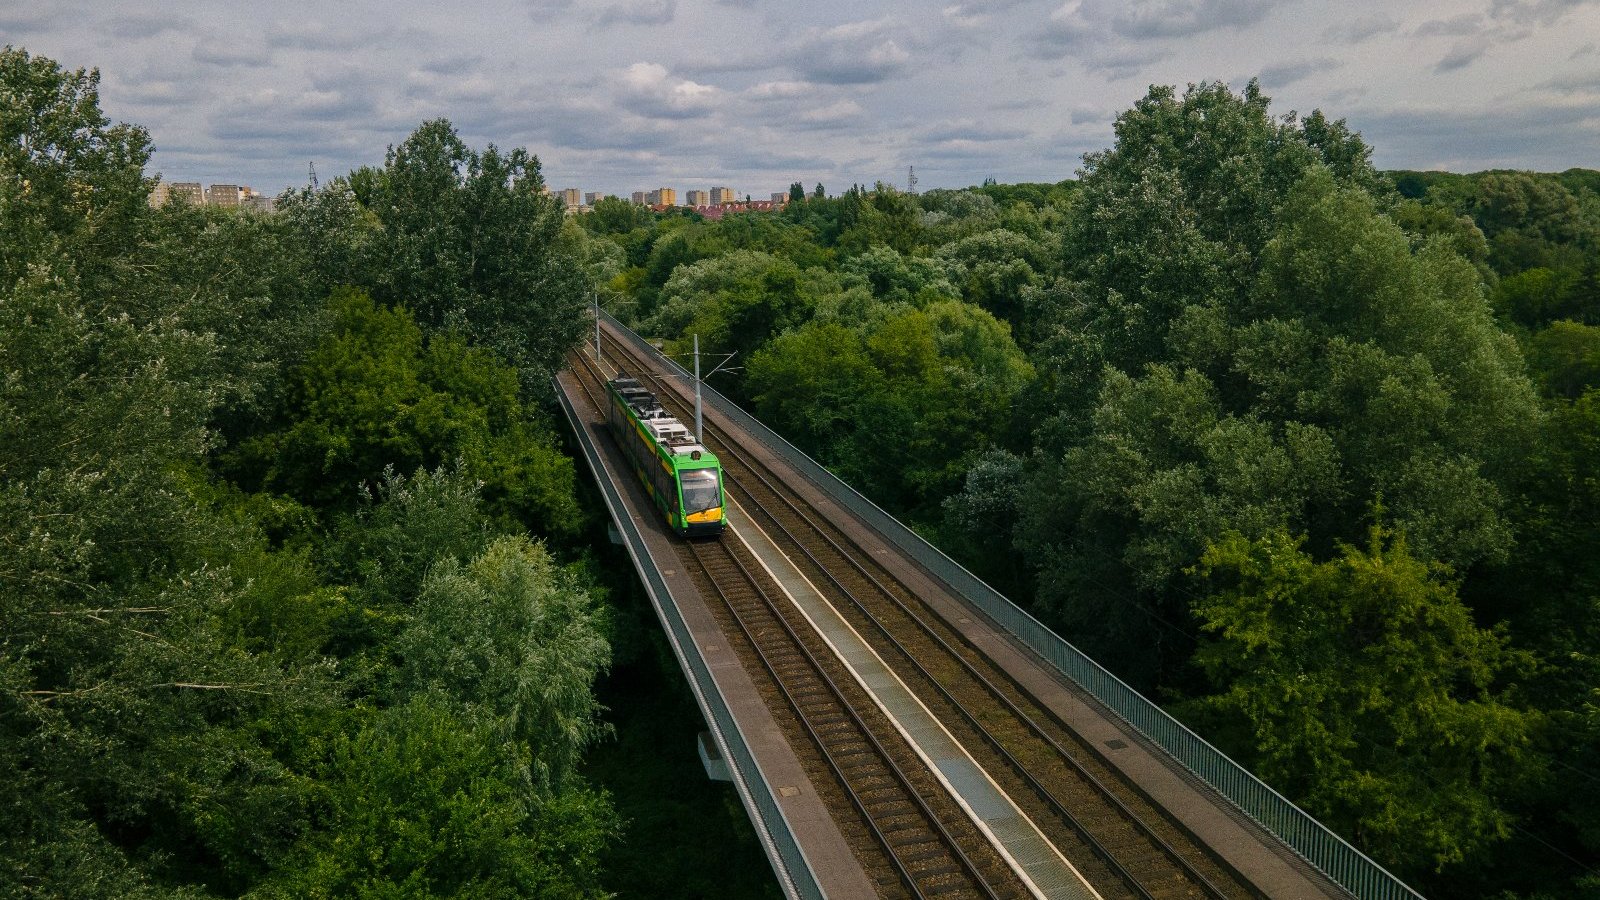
(1332, 855)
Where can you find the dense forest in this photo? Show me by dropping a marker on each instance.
(302, 595)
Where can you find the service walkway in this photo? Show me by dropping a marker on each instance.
(810, 853)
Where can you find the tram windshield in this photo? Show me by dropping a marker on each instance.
(700, 491)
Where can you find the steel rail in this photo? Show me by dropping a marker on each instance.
(1096, 846)
(937, 827)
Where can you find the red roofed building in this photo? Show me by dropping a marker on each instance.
(717, 211)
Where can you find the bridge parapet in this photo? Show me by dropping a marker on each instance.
(755, 792)
(1330, 854)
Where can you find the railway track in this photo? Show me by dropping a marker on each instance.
(1124, 844)
(911, 837)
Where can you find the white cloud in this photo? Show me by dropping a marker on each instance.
(649, 90)
(852, 53)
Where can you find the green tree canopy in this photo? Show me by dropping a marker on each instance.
(469, 240)
(378, 394)
(1362, 685)
(1248, 346)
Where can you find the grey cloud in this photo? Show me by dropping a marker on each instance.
(840, 114)
(975, 13)
(972, 132)
(545, 10)
(1455, 26)
(1356, 31)
(794, 162)
(1545, 136)
(453, 65)
(1463, 54)
(229, 53)
(1573, 83)
(1589, 49)
(638, 12)
(1284, 74)
(1124, 63)
(314, 35)
(855, 53)
(32, 17)
(142, 27)
(1534, 12)
(1107, 38)
(1181, 18)
(650, 90)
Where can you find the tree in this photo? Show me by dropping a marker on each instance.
(820, 193)
(737, 301)
(377, 394)
(1361, 686)
(1248, 345)
(797, 192)
(73, 184)
(874, 401)
(419, 800)
(513, 641)
(470, 241)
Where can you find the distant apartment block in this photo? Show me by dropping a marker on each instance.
(182, 191)
(661, 197)
(721, 195)
(639, 197)
(699, 198)
(226, 195)
(572, 198)
(780, 198)
(592, 198)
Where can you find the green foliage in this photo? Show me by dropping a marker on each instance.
(1566, 359)
(1362, 685)
(882, 403)
(419, 801)
(377, 394)
(737, 301)
(1002, 268)
(615, 216)
(468, 241)
(898, 278)
(511, 640)
(1251, 345)
(188, 670)
(72, 184)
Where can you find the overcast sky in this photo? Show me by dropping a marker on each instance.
(623, 95)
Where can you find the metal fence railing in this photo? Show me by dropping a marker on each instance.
(788, 860)
(1329, 853)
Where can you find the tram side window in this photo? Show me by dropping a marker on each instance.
(670, 490)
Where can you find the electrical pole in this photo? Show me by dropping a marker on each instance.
(911, 180)
(314, 184)
(697, 420)
(597, 358)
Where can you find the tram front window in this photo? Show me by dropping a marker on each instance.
(700, 491)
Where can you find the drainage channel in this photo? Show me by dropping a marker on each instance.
(1014, 835)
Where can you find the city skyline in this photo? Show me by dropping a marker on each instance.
(616, 94)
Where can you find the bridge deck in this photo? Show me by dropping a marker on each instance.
(1270, 867)
(833, 865)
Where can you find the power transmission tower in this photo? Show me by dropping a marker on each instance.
(911, 179)
(314, 184)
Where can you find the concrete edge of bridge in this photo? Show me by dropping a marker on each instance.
(808, 854)
(1258, 856)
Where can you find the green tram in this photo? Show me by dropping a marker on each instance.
(681, 475)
